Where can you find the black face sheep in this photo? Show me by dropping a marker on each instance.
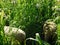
(18, 34)
(49, 30)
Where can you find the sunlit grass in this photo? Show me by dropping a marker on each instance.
(58, 31)
(27, 15)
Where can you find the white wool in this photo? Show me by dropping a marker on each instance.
(12, 31)
(9, 30)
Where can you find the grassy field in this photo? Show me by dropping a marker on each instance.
(29, 16)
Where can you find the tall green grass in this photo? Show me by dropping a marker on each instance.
(28, 15)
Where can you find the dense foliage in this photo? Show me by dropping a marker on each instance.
(29, 15)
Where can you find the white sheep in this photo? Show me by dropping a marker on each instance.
(18, 34)
(49, 29)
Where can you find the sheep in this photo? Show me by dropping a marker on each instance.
(18, 34)
(49, 30)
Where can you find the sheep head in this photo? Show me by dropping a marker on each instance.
(49, 30)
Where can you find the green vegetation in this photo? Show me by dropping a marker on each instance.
(28, 15)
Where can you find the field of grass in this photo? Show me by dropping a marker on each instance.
(29, 16)
(58, 31)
